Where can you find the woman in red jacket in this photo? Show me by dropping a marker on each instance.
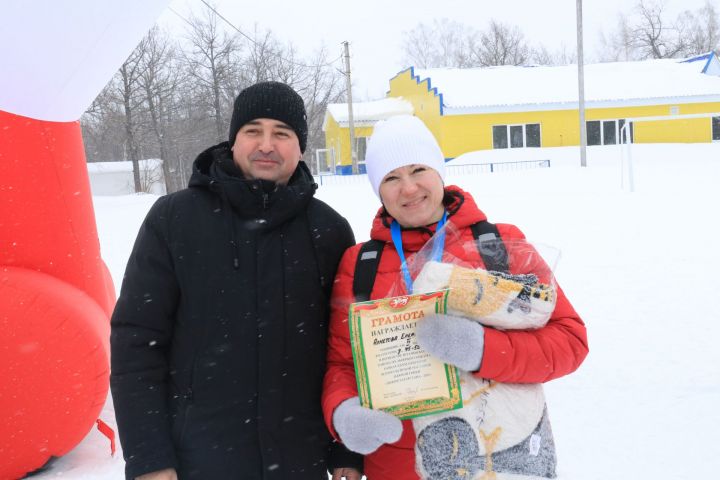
(406, 169)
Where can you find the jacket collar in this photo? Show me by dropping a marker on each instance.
(267, 203)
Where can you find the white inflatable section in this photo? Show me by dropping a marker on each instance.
(56, 56)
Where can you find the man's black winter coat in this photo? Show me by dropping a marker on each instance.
(219, 335)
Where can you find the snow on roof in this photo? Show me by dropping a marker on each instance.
(464, 90)
(370, 112)
(710, 63)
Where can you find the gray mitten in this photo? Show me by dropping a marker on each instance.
(454, 340)
(363, 430)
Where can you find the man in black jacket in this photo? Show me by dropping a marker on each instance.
(219, 334)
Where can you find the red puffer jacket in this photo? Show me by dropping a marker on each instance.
(511, 356)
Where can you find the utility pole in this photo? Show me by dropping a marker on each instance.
(351, 125)
(581, 85)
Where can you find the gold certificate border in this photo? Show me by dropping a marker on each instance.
(409, 409)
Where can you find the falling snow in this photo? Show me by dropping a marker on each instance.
(639, 267)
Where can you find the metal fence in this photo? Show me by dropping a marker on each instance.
(332, 179)
(452, 170)
(473, 168)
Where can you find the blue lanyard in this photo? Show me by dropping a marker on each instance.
(437, 251)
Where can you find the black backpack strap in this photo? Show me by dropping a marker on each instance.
(491, 246)
(366, 267)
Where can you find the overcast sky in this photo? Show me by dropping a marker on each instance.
(375, 27)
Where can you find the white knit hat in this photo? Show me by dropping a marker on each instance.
(399, 141)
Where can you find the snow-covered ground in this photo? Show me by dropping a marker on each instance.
(639, 267)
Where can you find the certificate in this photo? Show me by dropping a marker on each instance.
(393, 373)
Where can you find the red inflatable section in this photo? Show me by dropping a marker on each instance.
(56, 295)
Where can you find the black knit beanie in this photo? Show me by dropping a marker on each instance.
(270, 100)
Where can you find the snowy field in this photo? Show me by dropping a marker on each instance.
(639, 268)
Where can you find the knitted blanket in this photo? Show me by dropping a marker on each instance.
(502, 432)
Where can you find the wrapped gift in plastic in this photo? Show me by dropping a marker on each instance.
(503, 430)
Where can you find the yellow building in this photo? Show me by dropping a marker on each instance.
(526, 107)
(336, 157)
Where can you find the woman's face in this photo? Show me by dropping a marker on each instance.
(413, 195)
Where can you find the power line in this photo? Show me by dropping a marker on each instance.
(257, 44)
(181, 17)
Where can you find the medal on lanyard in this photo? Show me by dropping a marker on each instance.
(436, 254)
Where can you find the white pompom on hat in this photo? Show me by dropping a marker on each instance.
(399, 141)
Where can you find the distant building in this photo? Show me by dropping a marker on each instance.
(116, 178)
(365, 115)
(525, 107)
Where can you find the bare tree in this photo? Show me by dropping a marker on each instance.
(649, 33)
(701, 30)
(210, 64)
(175, 100)
(654, 36)
(616, 45)
(159, 82)
(257, 63)
(502, 44)
(454, 43)
(324, 85)
(446, 43)
(419, 47)
(129, 90)
(103, 126)
(288, 68)
(561, 56)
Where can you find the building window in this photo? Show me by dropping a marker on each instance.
(500, 136)
(516, 136)
(532, 135)
(605, 132)
(716, 128)
(593, 133)
(361, 148)
(631, 128)
(609, 130)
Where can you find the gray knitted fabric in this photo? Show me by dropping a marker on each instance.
(450, 451)
(363, 430)
(454, 340)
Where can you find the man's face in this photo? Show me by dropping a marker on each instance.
(267, 149)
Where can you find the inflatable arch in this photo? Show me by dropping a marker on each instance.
(56, 294)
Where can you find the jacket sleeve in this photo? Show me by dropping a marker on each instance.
(141, 329)
(339, 383)
(535, 356)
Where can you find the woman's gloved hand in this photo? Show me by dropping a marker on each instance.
(363, 430)
(454, 340)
